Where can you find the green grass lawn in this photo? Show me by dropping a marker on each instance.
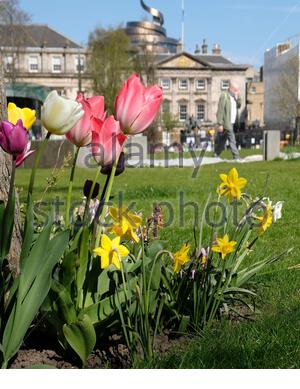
(272, 339)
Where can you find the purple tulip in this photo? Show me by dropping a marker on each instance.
(13, 138)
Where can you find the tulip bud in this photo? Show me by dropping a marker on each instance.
(60, 114)
(88, 187)
(106, 170)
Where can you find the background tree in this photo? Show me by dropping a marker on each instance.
(169, 121)
(144, 63)
(12, 17)
(109, 63)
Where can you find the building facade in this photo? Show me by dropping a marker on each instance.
(192, 84)
(36, 55)
(281, 83)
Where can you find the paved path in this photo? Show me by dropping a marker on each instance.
(190, 162)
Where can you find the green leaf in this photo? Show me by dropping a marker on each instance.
(65, 306)
(83, 260)
(81, 337)
(31, 294)
(239, 291)
(67, 268)
(2, 210)
(28, 231)
(34, 262)
(103, 282)
(8, 225)
(154, 248)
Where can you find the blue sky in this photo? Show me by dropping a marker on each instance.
(243, 28)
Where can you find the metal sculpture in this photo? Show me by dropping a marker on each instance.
(158, 17)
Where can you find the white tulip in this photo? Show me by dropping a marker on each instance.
(59, 114)
(277, 211)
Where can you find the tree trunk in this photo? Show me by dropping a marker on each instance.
(5, 168)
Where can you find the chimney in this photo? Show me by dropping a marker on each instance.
(197, 50)
(204, 47)
(216, 50)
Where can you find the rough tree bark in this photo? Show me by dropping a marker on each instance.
(5, 168)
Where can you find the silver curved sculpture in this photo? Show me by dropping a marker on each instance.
(158, 17)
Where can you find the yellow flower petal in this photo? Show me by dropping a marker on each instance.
(223, 177)
(114, 213)
(28, 117)
(233, 175)
(116, 261)
(106, 242)
(115, 242)
(123, 251)
(105, 261)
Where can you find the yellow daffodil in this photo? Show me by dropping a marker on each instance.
(231, 185)
(224, 246)
(111, 252)
(265, 220)
(125, 223)
(181, 257)
(15, 113)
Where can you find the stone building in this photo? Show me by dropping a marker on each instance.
(255, 104)
(193, 83)
(37, 59)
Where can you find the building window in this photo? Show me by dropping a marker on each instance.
(166, 106)
(253, 90)
(200, 114)
(79, 64)
(200, 84)
(33, 64)
(165, 83)
(183, 112)
(183, 83)
(224, 84)
(9, 63)
(56, 64)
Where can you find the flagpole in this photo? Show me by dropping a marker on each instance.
(182, 26)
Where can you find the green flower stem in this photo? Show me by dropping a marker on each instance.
(99, 209)
(70, 189)
(146, 325)
(85, 215)
(105, 203)
(12, 178)
(217, 299)
(36, 164)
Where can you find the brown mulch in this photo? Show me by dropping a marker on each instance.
(113, 355)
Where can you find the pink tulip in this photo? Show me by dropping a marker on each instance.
(81, 134)
(107, 140)
(136, 106)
